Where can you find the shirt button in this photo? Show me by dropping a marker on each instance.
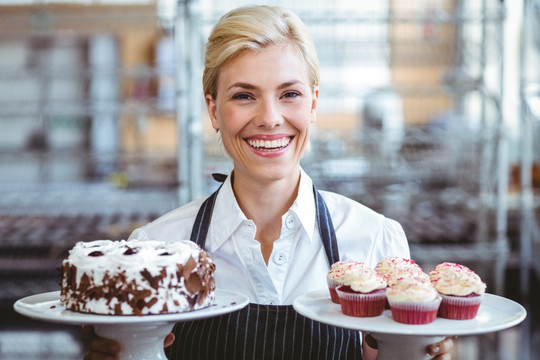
(289, 222)
(280, 258)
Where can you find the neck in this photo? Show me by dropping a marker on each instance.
(264, 202)
(258, 199)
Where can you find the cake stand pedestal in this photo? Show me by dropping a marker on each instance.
(141, 337)
(409, 342)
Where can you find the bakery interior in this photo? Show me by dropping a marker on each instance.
(429, 113)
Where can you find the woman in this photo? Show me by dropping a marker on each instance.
(271, 234)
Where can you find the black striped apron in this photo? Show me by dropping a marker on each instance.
(264, 331)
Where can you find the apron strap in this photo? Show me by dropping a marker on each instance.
(202, 221)
(326, 228)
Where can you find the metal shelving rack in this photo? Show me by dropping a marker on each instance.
(56, 186)
(530, 150)
(529, 170)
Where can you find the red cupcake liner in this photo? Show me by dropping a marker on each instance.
(361, 304)
(332, 285)
(334, 295)
(415, 313)
(459, 307)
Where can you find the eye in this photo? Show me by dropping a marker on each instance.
(242, 96)
(291, 94)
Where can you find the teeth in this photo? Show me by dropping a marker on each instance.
(269, 144)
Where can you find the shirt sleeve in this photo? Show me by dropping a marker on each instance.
(389, 241)
(175, 225)
(138, 234)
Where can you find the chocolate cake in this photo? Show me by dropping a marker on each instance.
(136, 277)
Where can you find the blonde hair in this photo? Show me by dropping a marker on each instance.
(254, 28)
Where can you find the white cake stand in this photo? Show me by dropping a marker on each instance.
(141, 337)
(409, 342)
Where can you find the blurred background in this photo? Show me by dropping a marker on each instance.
(429, 112)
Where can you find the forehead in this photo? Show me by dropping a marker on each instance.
(272, 64)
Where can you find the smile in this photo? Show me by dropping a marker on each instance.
(269, 145)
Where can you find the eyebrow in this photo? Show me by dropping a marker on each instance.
(249, 86)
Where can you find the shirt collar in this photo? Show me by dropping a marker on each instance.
(223, 225)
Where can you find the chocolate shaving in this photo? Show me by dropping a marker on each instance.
(188, 268)
(153, 280)
(194, 284)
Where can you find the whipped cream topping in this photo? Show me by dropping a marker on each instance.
(345, 264)
(135, 254)
(399, 275)
(395, 268)
(455, 279)
(392, 264)
(363, 279)
(338, 269)
(411, 289)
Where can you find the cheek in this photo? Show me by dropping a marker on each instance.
(303, 119)
(230, 122)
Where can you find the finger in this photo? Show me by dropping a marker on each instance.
(169, 340)
(104, 346)
(372, 343)
(441, 348)
(87, 329)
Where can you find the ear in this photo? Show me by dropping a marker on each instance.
(314, 103)
(212, 110)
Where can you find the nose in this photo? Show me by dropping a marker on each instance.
(269, 114)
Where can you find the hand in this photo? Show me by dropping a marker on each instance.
(441, 350)
(100, 348)
(107, 349)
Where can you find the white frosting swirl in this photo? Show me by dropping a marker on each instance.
(398, 276)
(338, 270)
(363, 279)
(411, 289)
(394, 268)
(456, 279)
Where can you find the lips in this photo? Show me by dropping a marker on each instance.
(269, 144)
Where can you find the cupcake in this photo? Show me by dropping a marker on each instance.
(461, 289)
(395, 268)
(335, 276)
(413, 300)
(363, 292)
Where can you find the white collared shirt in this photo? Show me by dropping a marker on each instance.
(298, 263)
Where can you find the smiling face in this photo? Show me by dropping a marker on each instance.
(264, 109)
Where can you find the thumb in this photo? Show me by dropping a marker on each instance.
(169, 340)
(370, 340)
